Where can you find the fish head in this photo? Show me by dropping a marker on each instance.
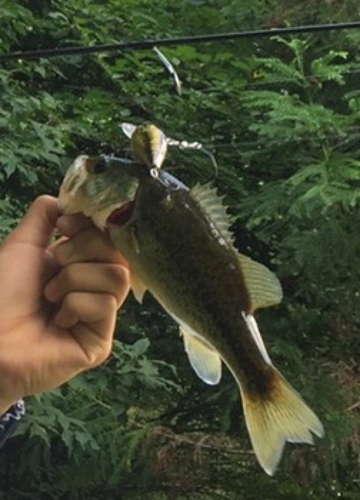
(97, 186)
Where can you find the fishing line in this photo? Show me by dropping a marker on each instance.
(167, 42)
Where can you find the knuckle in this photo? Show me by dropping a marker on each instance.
(118, 274)
(70, 302)
(102, 354)
(41, 200)
(99, 354)
(109, 304)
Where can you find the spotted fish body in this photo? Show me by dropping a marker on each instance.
(179, 248)
(207, 300)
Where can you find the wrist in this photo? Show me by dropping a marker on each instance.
(10, 419)
(5, 406)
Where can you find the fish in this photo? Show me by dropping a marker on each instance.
(179, 248)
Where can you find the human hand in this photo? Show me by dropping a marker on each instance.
(58, 302)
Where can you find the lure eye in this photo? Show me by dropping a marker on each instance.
(100, 166)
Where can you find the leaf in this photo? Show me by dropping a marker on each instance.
(140, 347)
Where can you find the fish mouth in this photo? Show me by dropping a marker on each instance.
(121, 215)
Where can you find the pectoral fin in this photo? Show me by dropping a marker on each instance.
(203, 358)
(137, 286)
(262, 285)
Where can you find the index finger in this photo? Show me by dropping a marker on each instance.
(88, 245)
(70, 225)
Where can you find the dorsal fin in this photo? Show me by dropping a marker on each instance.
(263, 287)
(212, 204)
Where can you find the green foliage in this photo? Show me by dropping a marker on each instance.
(281, 116)
(83, 435)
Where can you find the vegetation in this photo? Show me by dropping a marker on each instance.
(282, 117)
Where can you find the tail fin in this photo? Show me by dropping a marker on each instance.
(279, 417)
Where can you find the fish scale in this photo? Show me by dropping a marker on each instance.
(218, 299)
(155, 227)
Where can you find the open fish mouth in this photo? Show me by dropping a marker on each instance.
(121, 215)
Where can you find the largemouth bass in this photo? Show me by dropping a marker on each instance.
(180, 249)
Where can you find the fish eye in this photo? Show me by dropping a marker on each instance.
(100, 166)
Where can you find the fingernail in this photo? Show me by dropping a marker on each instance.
(50, 291)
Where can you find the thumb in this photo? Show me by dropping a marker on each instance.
(38, 225)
